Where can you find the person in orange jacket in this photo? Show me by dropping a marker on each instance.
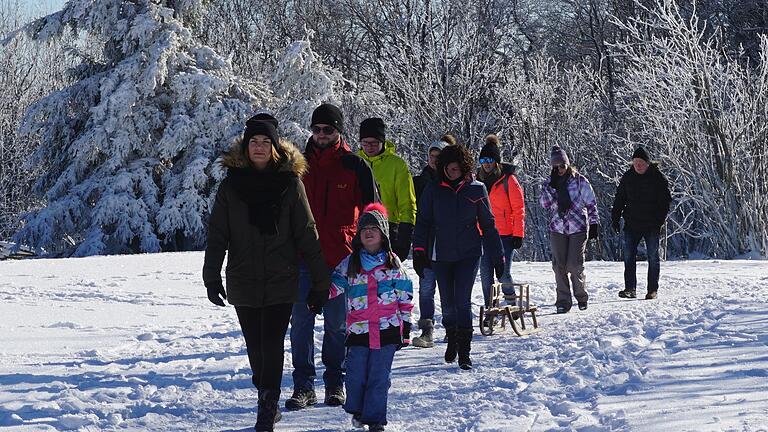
(508, 207)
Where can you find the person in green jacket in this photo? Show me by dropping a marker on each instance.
(394, 180)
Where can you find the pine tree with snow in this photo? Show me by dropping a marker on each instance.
(132, 143)
(300, 83)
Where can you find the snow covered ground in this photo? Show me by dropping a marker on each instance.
(130, 342)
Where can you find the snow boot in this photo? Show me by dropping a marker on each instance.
(335, 396)
(583, 306)
(562, 309)
(356, 423)
(464, 342)
(269, 411)
(301, 399)
(651, 295)
(427, 327)
(375, 428)
(450, 350)
(628, 293)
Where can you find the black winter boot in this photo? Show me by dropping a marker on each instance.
(269, 411)
(450, 350)
(301, 399)
(464, 342)
(628, 293)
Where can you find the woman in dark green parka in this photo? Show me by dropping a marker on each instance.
(261, 217)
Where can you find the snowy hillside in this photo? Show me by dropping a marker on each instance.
(130, 342)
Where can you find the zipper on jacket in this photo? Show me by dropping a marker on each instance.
(325, 199)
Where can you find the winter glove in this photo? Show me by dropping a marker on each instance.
(593, 232)
(498, 266)
(316, 300)
(406, 339)
(216, 293)
(420, 262)
(404, 233)
(516, 242)
(616, 227)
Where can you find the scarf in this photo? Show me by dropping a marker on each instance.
(370, 262)
(563, 195)
(262, 192)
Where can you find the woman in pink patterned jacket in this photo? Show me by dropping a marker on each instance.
(379, 304)
(571, 202)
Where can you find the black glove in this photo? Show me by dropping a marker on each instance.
(316, 300)
(516, 242)
(593, 232)
(420, 262)
(216, 293)
(406, 338)
(616, 227)
(498, 266)
(404, 233)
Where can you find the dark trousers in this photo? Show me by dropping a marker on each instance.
(368, 382)
(631, 241)
(264, 331)
(303, 339)
(455, 281)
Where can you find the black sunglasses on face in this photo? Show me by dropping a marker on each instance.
(561, 166)
(326, 130)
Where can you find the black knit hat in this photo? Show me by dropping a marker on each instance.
(373, 128)
(491, 149)
(330, 115)
(261, 124)
(558, 155)
(641, 153)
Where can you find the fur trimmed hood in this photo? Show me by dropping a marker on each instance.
(291, 158)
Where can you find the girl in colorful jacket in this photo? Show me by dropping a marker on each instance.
(379, 302)
(571, 202)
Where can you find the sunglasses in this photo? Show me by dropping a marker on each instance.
(326, 130)
(560, 166)
(486, 160)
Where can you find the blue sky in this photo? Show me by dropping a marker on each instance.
(40, 7)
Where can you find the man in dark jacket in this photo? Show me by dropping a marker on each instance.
(339, 184)
(428, 283)
(643, 199)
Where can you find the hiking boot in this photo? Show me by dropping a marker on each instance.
(651, 295)
(450, 350)
(375, 428)
(269, 411)
(562, 309)
(335, 396)
(583, 306)
(628, 293)
(464, 345)
(301, 399)
(427, 327)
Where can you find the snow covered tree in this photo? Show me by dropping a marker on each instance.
(131, 144)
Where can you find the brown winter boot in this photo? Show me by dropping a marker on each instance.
(427, 327)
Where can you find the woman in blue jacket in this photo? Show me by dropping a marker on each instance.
(454, 207)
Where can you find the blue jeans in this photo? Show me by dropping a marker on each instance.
(455, 281)
(631, 241)
(486, 268)
(368, 382)
(427, 286)
(303, 339)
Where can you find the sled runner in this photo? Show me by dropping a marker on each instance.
(516, 309)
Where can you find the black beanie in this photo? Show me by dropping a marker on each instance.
(641, 153)
(260, 127)
(491, 149)
(330, 115)
(263, 117)
(373, 128)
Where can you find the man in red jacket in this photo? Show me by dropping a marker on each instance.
(339, 185)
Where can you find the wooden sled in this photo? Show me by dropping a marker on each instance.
(518, 310)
